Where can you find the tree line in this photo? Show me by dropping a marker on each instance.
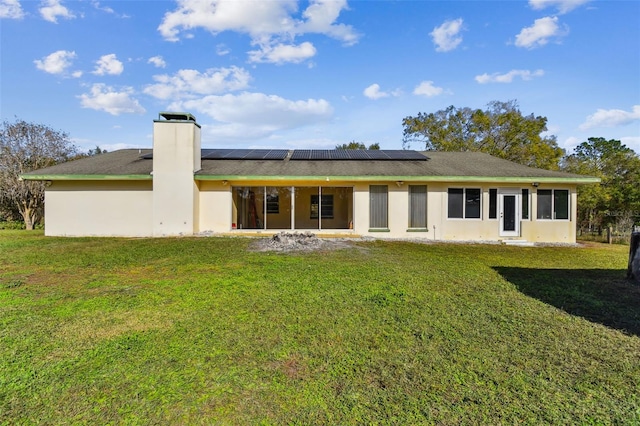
(500, 130)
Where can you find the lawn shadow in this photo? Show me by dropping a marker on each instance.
(598, 295)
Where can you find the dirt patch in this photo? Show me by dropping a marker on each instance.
(297, 241)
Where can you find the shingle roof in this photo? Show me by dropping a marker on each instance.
(124, 162)
(128, 164)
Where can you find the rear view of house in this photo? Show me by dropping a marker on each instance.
(177, 188)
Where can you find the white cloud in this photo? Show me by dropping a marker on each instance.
(270, 24)
(563, 6)
(96, 4)
(373, 92)
(611, 118)
(540, 32)
(105, 98)
(447, 36)
(108, 64)
(426, 88)
(255, 115)
(107, 9)
(508, 77)
(632, 142)
(11, 9)
(321, 16)
(187, 84)
(570, 143)
(222, 49)
(52, 9)
(57, 63)
(158, 61)
(282, 53)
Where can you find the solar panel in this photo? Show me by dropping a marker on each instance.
(401, 154)
(212, 154)
(378, 155)
(244, 154)
(276, 154)
(358, 154)
(341, 154)
(301, 154)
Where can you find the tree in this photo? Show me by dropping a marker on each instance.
(357, 145)
(89, 153)
(501, 130)
(96, 151)
(616, 198)
(25, 147)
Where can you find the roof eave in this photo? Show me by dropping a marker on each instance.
(501, 179)
(71, 177)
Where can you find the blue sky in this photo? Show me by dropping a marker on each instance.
(314, 74)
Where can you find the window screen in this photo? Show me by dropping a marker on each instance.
(417, 206)
(378, 206)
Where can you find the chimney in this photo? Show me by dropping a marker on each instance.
(176, 157)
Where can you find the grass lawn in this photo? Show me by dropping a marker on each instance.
(203, 331)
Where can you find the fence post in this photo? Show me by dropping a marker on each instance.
(610, 235)
(633, 270)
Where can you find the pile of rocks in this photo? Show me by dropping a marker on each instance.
(296, 241)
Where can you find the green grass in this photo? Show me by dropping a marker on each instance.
(203, 331)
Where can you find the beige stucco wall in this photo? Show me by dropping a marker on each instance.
(557, 231)
(125, 208)
(214, 206)
(99, 208)
(217, 212)
(176, 156)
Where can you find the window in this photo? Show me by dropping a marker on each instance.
(464, 203)
(525, 204)
(287, 207)
(248, 206)
(561, 204)
(326, 207)
(273, 204)
(378, 206)
(553, 204)
(493, 204)
(417, 206)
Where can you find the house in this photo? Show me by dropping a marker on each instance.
(177, 188)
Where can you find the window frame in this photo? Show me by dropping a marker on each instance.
(273, 203)
(410, 192)
(465, 201)
(493, 204)
(325, 207)
(372, 199)
(525, 206)
(553, 204)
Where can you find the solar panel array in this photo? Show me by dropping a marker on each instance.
(357, 154)
(244, 154)
(309, 154)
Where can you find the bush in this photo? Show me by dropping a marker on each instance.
(11, 224)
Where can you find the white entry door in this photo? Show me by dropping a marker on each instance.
(509, 204)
